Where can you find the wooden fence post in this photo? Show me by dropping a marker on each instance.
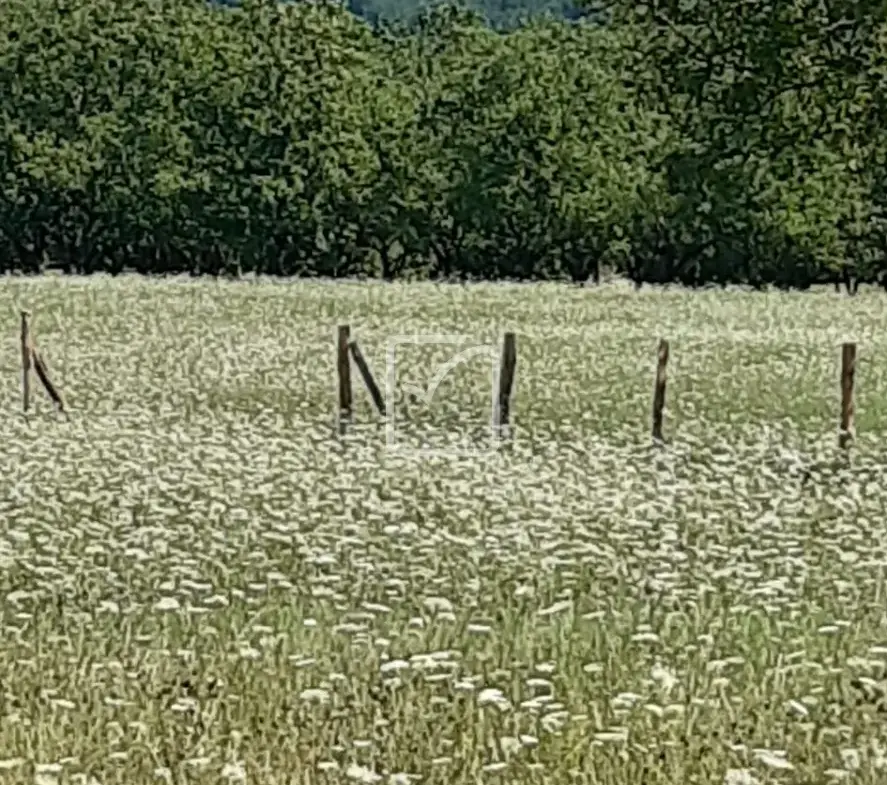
(367, 375)
(343, 370)
(26, 360)
(508, 363)
(659, 390)
(848, 372)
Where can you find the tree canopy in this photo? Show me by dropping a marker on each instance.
(684, 140)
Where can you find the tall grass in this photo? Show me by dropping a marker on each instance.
(200, 583)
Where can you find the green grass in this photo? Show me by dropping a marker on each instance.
(200, 584)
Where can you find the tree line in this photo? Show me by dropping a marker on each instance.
(696, 141)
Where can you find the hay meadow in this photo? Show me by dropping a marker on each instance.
(200, 583)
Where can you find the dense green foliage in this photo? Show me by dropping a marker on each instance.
(692, 141)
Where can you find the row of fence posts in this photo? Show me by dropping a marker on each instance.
(348, 349)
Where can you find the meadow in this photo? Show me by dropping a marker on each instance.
(201, 583)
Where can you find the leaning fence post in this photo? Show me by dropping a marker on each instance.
(367, 375)
(659, 390)
(43, 375)
(848, 372)
(26, 360)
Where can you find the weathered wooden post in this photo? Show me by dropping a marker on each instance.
(659, 390)
(343, 370)
(848, 373)
(26, 360)
(507, 365)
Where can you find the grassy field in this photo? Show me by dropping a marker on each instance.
(199, 583)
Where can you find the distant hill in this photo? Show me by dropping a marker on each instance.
(501, 14)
